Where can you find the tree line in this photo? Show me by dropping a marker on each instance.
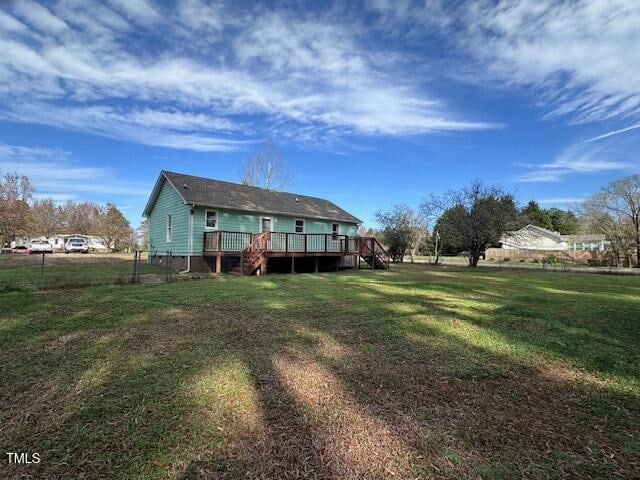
(474, 218)
(23, 215)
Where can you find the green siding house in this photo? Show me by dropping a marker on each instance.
(200, 224)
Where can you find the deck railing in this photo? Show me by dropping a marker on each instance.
(229, 242)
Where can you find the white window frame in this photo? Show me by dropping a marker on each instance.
(169, 228)
(337, 230)
(295, 226)
(217, 220)
(263, 217)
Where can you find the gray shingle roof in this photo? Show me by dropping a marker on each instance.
(218, 194)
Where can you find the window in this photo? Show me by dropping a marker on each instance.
(169, 228)
(265, 224)
(299, 226)
(335, 230)
(210, 219)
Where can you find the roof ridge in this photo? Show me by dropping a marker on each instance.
(240, 184)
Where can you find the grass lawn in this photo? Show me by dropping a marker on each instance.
(18, 271)
(410, 373)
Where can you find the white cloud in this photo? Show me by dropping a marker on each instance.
(213, 81)
(612, 133)
(54, 173)
(578, 159)
(137, 10)
(580, 55)
(40, 17)
(561, 200)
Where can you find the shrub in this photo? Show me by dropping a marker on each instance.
(506, 259)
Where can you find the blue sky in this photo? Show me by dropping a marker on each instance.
(372, 103)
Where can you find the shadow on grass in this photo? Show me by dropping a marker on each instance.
(350, 376)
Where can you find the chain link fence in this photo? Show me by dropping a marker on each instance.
(37, 271)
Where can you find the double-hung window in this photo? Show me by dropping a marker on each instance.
(335, 230)
(299, 224)
(210, 219)
(169, 228)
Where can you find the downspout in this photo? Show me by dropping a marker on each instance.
(189, 242)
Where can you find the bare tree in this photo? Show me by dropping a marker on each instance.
(46, 218)
(114, 229)
(471, 219)
(267, 169)
(82, 218)
(15, 193)
(615, 211)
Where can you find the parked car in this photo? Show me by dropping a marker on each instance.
(19, 243)
(76, 245)
(39, 245)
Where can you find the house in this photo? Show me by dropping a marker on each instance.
(533, 237)
(201, 224)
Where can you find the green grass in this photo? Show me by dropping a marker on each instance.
(24, 272)
(412, 373)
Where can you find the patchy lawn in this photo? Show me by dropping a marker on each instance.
(23, 272)
(411, 373)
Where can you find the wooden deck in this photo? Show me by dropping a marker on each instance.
(281, 244)
(253, 249)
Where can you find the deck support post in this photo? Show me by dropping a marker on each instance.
(316, 264)
(263, 266)
(218, 263)
(293, 264)
(373, 256)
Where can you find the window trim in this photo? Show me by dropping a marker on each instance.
(169, 232)
(295, 226)
(217, 220)
(335, 233)
(263, 217)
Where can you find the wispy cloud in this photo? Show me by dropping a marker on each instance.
(577, 57)
(56, 174)
(612, 133)
(577, 159)
(561, 200)
(113, 69)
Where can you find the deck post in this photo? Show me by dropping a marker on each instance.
(316, 264)
(325, 244)
(373, 256)
(293, 265)
(218, 263)
(263, 266)
(286, 242)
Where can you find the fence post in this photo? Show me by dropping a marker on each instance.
(135, 264)
(166, 267)
(42, 272)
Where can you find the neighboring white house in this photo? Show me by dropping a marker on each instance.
(532, 237)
